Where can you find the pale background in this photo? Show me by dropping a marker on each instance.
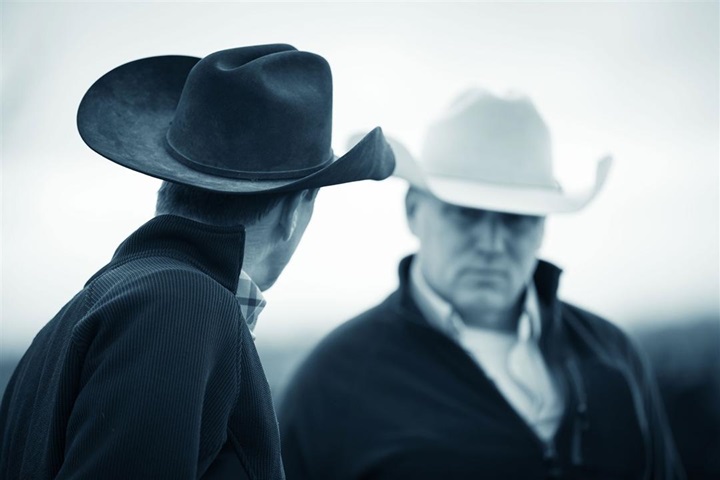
(638, 80)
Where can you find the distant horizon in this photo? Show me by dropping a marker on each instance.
(312, 336)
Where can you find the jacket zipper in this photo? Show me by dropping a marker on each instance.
(580, 421)
(547, 447)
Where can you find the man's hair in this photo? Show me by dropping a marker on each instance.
(215, 208)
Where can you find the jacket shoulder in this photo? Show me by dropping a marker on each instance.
(158, 280)
(585, 316)
(601, 335)
(357, 333)
(160, 296)
(342, 356)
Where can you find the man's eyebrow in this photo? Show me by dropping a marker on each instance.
(468, 210)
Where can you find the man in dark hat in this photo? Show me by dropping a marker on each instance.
(151, 371)
(474, 368)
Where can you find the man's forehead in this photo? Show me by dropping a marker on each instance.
(429, 197)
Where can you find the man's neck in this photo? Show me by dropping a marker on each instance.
(504, 321)
(260, 242)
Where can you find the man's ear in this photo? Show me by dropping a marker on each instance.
(541, 233)
(310, 194)
(290, 211)
(287, 223)
(412, 199)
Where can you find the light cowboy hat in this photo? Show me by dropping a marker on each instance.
(492, 153)
(246, 120)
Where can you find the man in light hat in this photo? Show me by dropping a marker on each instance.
(474, 368)
(150, 372)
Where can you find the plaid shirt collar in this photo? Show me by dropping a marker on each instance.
(250, 299)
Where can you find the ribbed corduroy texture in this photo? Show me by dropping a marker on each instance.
(387, 396)
(149, 372)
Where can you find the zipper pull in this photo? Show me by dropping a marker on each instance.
(549, 451)
(580, 420)
(552, 462)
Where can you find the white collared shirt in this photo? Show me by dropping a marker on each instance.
(513, 361)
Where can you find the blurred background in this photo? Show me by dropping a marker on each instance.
(638, 80)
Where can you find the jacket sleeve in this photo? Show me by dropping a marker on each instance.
(665, 461)
(320, 423)
(310, 415)
(158, 380)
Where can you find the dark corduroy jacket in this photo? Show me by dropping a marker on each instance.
(149, 372)
(388, 396)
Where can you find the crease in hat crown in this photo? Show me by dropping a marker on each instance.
(494, 153)
(506, 139)
(224, 141)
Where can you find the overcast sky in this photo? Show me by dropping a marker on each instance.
(638, 80)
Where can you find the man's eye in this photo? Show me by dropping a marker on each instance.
(511, 218)
(463, 214)
(518, 221)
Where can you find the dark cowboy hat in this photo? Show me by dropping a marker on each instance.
(246, 120)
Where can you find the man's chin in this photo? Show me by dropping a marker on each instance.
(483, 300)
(266, 284)
(269, 280)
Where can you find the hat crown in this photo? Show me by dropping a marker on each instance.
(256, 113)
(490, 139)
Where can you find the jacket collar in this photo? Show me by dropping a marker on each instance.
(547, 281)
(215, 250)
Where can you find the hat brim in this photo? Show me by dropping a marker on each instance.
(125, 115)
(520, 199)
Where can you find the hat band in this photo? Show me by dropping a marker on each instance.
(244, 175)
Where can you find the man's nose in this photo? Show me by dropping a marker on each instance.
(488, 232)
